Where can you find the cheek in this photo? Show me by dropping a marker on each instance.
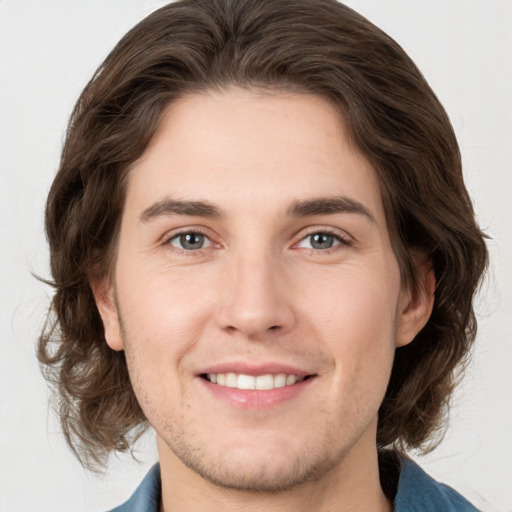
(352, 300)
(161, 322)
(354, 317)
(160, 328)
(165, 306)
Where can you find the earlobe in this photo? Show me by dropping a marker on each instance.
(415, 305)
(105, 302)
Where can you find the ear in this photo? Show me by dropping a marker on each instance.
(415, 305)
(103, 292)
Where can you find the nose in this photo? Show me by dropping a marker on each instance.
(255, 300)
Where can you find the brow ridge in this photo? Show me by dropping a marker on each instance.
(169, 207)
(298, 208)
(327, 206)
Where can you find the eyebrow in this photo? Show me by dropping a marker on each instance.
(327, 206)
(168, 206)
(305, 208)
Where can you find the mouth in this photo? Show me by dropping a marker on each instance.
(264, 382)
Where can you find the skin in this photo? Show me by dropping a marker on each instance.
(259, 291)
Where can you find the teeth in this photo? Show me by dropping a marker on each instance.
(231, 380)
(261, 382)
(291, 379)
(246, 382)
(280, 380)
(264, 382)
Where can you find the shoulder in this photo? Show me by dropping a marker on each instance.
(418, 492)
(147, 496)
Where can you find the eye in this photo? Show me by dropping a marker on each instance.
(190, 241)
(320, 241)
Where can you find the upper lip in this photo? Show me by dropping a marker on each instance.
(255, 369)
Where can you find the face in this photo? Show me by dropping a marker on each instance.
(256, 293)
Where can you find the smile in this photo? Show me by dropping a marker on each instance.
(259, 382)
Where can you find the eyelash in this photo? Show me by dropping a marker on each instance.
(343, 241)
(187, 252)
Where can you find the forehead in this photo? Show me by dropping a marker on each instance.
(247, 148)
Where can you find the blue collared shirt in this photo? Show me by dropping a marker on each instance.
(417, 492)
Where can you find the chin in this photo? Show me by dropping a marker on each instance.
(267, 471)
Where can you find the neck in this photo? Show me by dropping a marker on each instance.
(353, 485)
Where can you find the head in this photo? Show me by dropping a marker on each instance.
(217, 54)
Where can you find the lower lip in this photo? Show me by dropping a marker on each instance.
(255, 398)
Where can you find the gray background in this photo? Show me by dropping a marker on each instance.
(50, 48)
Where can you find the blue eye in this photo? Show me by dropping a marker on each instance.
(319, 241)
(190, 241)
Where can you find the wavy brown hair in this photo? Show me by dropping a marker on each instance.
(318, 47)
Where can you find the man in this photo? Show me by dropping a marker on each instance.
(262, 247)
